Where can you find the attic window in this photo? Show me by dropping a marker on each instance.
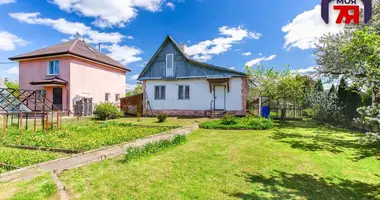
(169, 65)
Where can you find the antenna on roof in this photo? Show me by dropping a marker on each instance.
(77, 36)
(100, 47)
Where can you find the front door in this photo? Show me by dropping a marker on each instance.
(219, 97)
(57, 97)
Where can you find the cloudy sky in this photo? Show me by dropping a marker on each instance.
(226, 33)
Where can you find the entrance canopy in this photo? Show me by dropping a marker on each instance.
(219, 81)
(54, 81)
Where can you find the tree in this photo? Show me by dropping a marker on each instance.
(280, 86)
(138, 90)
(332, 90)
(342, 92)
(319, 86)
(364, 51)
(11, 84)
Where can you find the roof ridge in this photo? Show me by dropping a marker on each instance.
(73, 45)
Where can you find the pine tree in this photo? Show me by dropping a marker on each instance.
(319, 86)
(332, 90)
(342, 92)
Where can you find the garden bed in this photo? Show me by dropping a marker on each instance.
(235, 123)
(84, 136)
(11, 158)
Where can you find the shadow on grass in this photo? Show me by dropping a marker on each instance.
(291, 186)
(323, 138)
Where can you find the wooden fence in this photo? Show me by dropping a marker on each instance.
(132, 105)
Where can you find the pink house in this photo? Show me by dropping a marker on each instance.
(72, 71)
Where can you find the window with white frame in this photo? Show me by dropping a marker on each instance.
(117, 97)
(169, 65)
(159, 92)
(53, 67)
(107, 97)
(183, 92)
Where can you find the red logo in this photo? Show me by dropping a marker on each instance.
(348, 10)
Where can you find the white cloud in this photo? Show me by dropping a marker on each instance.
(69, 28)
(246, 54)
(13, 70)
(232, 68)
(306, 71)
(130, 37)
(8, 41)
(124, 54)
(7, 1)
(306, 28)
(130, 87)
(109, 13)
(206, 50)
(134, 77)
(170, 5)
(257, 61)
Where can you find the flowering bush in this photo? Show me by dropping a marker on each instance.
(370, 117)
(325, 107)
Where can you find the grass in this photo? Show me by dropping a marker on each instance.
(21, 158)
(235, 123)
(84, 136)
(42, 187)
(296, 160)
(135, 153)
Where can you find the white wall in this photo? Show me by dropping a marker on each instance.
(200, 96)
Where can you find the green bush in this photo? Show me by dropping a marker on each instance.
(308, 112)
(229, 120)
(161, 117)
(106, 111)
(134, 153)
(235, 123)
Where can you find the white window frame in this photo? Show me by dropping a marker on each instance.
(159, 92)
(117, 97)
(183, 92)
(167, 69)
(54, 72)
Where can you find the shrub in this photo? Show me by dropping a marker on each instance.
(229, 120)
(308, 112)
(161, 117)
(134, 153)
(105, 111)
(234, 123)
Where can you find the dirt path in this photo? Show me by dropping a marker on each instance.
(78, 160)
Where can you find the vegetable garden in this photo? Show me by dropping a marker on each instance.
(31, 149)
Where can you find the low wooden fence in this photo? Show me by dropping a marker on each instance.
(132, 105)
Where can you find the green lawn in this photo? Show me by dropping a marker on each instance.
(298, 160)
(42, 187)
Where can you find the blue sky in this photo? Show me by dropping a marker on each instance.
(227, 33)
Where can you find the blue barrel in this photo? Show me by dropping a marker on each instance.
(265, 111)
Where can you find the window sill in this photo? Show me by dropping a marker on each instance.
(53, 75)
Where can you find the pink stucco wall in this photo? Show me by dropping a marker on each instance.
(85, 78)
(36, 70)
(94, 80)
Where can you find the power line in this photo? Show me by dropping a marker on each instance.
(3, 63)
